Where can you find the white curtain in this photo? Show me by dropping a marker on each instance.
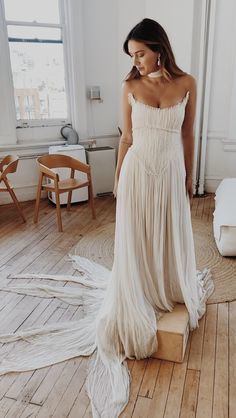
(73, 39)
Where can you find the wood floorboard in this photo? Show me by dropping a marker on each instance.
(149, 379)
(177, 385)
(206, 384)
(195, 356)
(221, 390)
(189, 402)
(137, 374)
(232, 359)
(203, 386)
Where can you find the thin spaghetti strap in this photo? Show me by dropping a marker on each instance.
(131, 99)
(187, 96)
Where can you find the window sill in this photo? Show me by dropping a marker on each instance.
(30, 145)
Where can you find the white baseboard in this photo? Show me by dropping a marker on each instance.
(211, 184)
(24, 194)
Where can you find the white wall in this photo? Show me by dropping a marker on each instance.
(101, 61)
(221, 144)
(177, 19)
(129, 13)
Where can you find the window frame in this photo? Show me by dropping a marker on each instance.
(50, 122)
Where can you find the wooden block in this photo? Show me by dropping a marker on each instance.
(172, 334)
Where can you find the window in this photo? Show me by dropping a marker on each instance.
(37, 61)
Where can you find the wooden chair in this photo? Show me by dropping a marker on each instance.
(46, 165)
(9, 165)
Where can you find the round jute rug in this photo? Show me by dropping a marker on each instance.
(98, 245)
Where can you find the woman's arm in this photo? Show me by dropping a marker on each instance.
(126, 137)
(188, 134)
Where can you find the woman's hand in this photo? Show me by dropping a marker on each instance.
(189, 186)
(115, 187)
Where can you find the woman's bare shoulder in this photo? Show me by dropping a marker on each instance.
(188, 81)
(128, 86)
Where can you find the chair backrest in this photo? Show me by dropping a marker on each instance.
(8, 165)
(61, 160)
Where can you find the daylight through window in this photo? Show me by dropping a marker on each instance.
(37, 61)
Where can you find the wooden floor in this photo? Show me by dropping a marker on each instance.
(203, 386)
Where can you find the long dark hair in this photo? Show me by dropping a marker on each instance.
(152, 34)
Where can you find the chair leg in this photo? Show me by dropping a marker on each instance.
(14, 198)
(69, 200)
(91, 200)
(36, 210)
(72, 176)
(58, 207)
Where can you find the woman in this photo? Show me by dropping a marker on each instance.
(154, 262)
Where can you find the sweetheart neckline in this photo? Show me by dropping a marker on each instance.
(161, 108)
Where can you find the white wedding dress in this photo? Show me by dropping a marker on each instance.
(154, 267)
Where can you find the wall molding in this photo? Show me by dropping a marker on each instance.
(27, 146)
(229, 147)
(217, 135)
(228, 144)
(112, 138)
(231, 141)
